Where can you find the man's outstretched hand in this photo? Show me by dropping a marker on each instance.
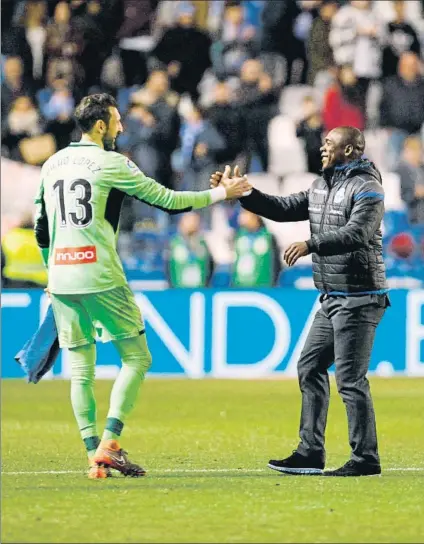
(215, 179)
(234, 186)
(295, 251)
(225, 179)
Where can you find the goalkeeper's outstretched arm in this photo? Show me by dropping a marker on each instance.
(128, 178)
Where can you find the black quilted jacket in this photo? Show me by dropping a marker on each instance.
(345, 208)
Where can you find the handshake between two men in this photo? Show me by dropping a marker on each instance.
(234, 183)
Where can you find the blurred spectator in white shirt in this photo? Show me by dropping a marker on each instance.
(357, 39)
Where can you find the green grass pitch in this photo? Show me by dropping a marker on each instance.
(205, 445)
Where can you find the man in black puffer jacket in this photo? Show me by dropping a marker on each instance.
(345, 208)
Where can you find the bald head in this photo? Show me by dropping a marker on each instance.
(351, 136)
(342, 145)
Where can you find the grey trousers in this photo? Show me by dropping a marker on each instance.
(342, 332)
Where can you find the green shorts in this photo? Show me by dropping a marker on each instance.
(113, 315)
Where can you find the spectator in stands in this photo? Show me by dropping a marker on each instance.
(411, 173)
(151, 135)
(58, 110)
(168, 11)
(343, 105)
(257, 255)
(190, 263)
(13, 38)
(311, 130)
(155, 88)
(64, 43)
(400, 38)
(201, 147)
(228, 119)
(176, 48)
(23, 121)
(137, 20)
(357, 38)
(301, 29)
(152, 129)
(60, 32)
(96, 23)
(277, 30)
(34, 20)
(60, 101)
(402, 104)
(13, 84)
(319, 51)
(259, 102)
(237, 42)
(22, 263)
(65, 68)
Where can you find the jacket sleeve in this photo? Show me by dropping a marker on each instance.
(283, 209)
(365, 219)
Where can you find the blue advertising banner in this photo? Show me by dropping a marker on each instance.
(226, 333)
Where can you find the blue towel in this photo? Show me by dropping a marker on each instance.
(40, 352)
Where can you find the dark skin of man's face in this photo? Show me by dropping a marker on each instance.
(335, 150)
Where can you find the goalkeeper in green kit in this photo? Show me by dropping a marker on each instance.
(79, 201)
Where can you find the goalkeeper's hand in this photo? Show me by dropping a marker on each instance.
(217, 177)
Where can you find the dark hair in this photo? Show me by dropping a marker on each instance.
(354, 137)
(92, 108)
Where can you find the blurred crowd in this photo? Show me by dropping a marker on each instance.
(198, 84)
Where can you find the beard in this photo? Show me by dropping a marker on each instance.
(109, 143)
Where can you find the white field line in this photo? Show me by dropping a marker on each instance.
(193, 471)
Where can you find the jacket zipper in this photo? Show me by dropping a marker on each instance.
(320, 230)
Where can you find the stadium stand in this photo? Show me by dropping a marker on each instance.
(55, 52)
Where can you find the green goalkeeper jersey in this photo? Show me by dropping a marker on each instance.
(79, 202)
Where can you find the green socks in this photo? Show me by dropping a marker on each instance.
(113, 429)
(83, 360)
(136, 361)
(91, 444)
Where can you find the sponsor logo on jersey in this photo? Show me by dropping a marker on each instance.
(132, 166)
(75, 255)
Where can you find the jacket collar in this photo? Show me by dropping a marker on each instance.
(334, 174)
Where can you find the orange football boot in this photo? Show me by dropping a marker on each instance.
(109, 454)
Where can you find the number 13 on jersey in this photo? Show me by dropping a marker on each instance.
(73, 200)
